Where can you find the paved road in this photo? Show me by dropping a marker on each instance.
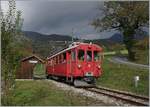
(125, 61)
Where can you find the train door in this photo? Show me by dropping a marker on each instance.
(85, 59)
(81, 60)
(89, 71)
(53, 64)
(69, 67)
(73, 62)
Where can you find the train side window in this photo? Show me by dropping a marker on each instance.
(56, 59)
(89, 56)
(64, 57)
(96, 56)
(53, 61)
(73, 55)
(81, 55)
(61, 56)
(50, 62)
(59, 59)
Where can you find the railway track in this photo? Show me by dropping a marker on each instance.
(124, 96)
(121, 95)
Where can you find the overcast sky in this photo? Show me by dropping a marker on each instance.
(59, 17)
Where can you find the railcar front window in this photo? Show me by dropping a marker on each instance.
(81, 55)
(96, 56)
(89, 56)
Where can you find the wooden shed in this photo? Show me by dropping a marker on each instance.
(27, 66)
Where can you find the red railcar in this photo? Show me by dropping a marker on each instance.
(80, 62)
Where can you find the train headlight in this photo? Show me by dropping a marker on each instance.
(99, 66)
(79, 66)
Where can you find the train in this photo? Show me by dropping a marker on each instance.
(79, 64)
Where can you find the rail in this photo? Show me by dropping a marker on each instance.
(128, 97)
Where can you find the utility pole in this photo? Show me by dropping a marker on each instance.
(72, 35)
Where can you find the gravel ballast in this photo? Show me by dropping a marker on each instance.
(99, 98)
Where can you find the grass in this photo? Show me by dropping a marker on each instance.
(123, 52)
(44, 93)
(39, 70)
(141, 49)
(142, 56)
(121, 77)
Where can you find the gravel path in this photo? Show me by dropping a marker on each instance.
(105, 100)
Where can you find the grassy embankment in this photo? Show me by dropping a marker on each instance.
(44, 93)
(115, 52)
(142, 56)
(121, 77)
(142, 51)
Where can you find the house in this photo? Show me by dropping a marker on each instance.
(27, 66)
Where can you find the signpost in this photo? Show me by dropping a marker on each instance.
(136, 79)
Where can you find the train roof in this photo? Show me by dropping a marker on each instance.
(71, 46)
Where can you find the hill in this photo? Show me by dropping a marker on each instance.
(42, 37)
(44, 45)
(48, 44)
(118, 38)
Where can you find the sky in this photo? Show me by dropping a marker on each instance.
(60, 17)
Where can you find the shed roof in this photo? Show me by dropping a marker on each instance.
(29, 57)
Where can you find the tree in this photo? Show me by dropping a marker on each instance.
(10, 25)
(125, 16)
(14, 46)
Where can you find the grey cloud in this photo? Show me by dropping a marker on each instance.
(60, 17)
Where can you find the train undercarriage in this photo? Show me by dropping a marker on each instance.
(87, 81)
(84, 82)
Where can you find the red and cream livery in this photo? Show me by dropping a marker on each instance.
(80, 62)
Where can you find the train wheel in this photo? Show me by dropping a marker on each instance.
(47, 76)
(69, 80)
(81, 83)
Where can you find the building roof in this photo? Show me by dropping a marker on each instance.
(29, 57)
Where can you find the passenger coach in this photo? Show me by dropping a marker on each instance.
(79, 64)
